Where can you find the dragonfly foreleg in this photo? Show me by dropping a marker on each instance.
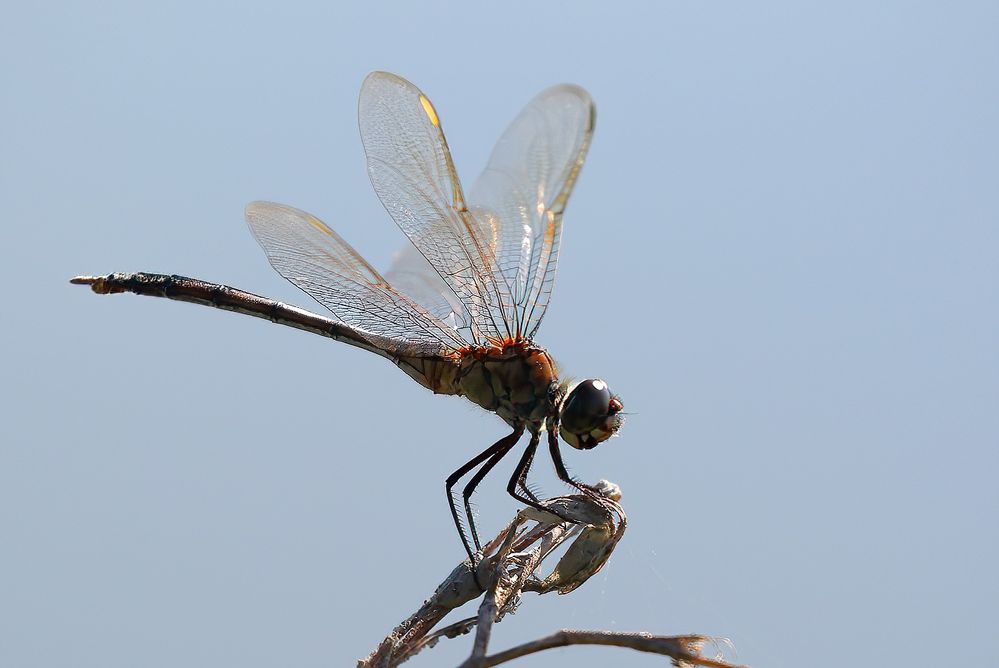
(560, 470)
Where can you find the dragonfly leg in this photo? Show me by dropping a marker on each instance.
(466, 492)
(502, 445)
(560, 470)
(522, 483)
(520, 474)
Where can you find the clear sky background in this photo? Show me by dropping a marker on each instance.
(783, 253)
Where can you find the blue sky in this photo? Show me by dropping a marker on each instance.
(782, 253)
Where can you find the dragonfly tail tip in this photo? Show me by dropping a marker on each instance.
(97, 283)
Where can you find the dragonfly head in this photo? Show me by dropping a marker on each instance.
(590, 414)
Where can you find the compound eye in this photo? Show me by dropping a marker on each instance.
(586, 407)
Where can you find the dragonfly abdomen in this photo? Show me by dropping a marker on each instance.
(438, 374)
(195, 291)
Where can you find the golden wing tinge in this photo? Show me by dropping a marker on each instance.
(411, 170)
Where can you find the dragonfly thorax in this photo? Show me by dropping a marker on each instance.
(518, 381)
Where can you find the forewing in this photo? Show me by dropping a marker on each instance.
(411, 170)
(316, 259)
(520, 197)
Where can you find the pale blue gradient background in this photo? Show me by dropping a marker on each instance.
(782, 253)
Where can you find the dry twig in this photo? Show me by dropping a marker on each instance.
(509, 568)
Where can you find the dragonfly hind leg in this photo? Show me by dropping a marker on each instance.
(469, 489)
(491, 457)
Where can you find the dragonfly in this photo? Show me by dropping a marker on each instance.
(459, 307)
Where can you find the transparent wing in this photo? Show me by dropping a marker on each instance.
(316, 259)
(411, 170)
(521, 195)
(412, 275)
